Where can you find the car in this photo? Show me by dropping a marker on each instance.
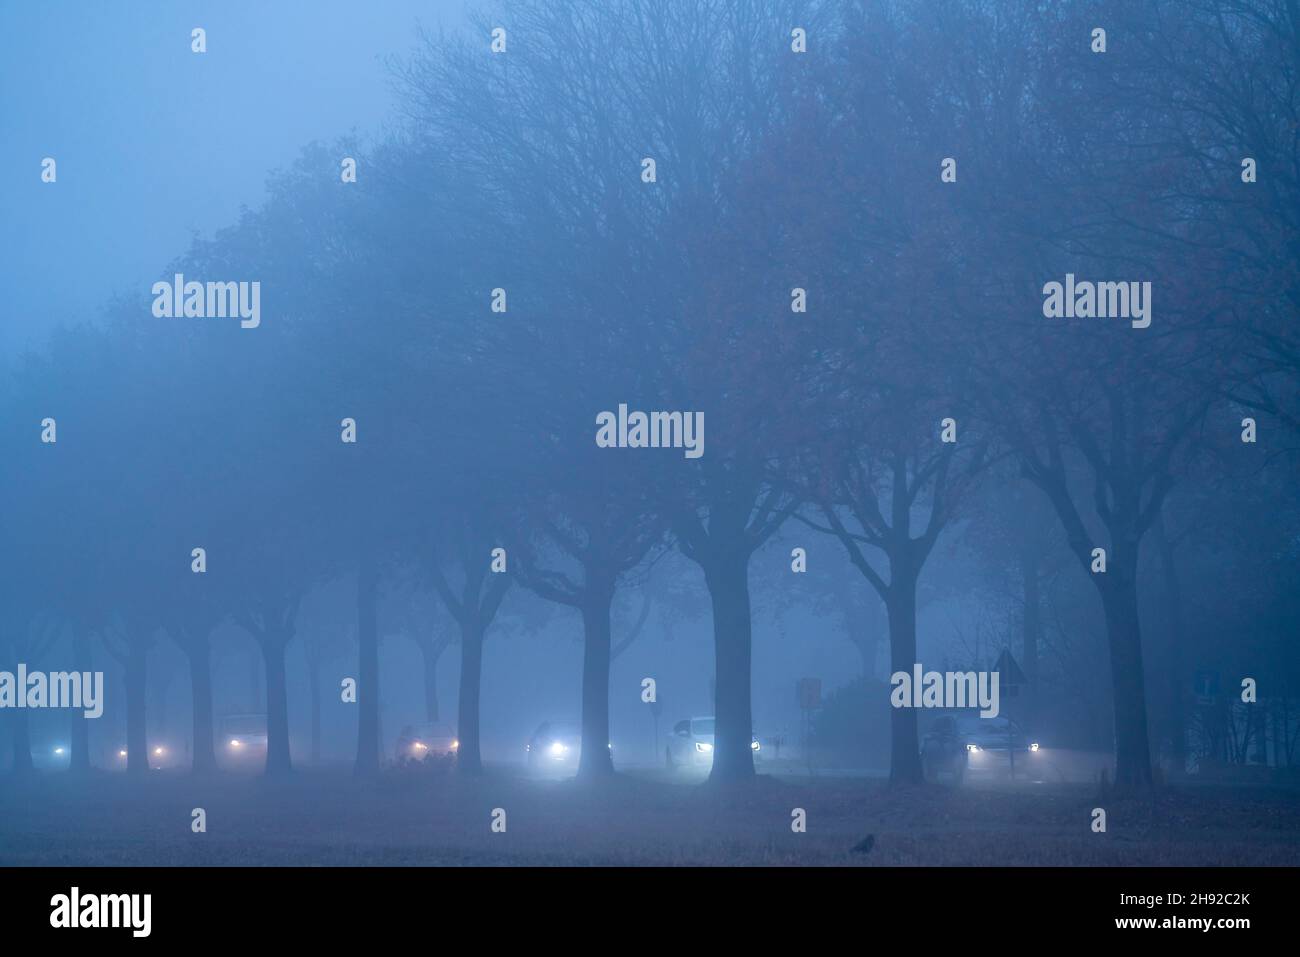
(160, 756)
(241, 739)
(556, 746)
(52, 755)
(419, 742)
(958, 745)
(691, 744)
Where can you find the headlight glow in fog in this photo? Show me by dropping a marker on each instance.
(972, 747)
(1034, 746)
(703, 746)
(235, 743)
(557, 749)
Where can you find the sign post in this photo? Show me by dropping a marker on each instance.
(809, 694)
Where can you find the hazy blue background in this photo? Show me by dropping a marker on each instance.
(155, 143)
(383, 289)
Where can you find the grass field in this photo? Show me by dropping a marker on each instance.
(646, 817)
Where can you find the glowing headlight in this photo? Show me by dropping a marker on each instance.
(456, 744)
(58, 750)
(557, 749)
(753, 745)
(420, 746)
(122, 753)
(236, 743)
(1034, 746)
(972, 747)
(703, 746)
(157, 750)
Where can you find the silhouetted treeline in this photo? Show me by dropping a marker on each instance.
(840, 257)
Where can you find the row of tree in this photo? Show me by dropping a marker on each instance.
(859, 319)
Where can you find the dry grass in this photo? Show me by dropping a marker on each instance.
(636, 819)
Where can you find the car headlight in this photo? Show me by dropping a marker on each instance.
(753, 745)
(236, 743)
(972, 747)
(58, 750)
(1033, 746)
(420, 746)
(456, 744)
(157, 750)
(703, 746)
(122, 753)
(557, 749)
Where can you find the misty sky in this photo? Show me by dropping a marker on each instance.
(155, 144)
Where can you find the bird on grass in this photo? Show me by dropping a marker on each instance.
(865, 845)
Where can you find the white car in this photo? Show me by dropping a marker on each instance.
(241, 740)
(418, 742)
(691, 744)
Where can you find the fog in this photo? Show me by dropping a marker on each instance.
(618, 404)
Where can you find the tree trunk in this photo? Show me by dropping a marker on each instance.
(728, 579)
(277, 706)
(137, 743)
(596, 760)
(204, 760)
(468, 757)
(368, 668)
(79, 740)
(1173, 631)
(1033, 632)
(159, 685)
(430, 653)
(22, 741)
(313, 690)
(256, 696)
(905, 751)
(1124, 634)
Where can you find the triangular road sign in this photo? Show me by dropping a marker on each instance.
(1009, 671)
